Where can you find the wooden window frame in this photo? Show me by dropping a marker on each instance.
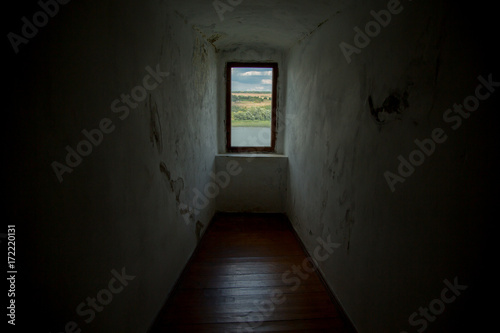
(274, 67)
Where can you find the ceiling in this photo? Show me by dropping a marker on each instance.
(256, 23)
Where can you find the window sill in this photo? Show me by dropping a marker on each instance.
(247, 155)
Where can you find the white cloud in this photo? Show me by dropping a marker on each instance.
(266, 81)
(252, 73)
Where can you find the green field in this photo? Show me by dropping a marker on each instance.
(251, 109)
(251, 123)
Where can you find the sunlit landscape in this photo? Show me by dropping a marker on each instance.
(251, 107)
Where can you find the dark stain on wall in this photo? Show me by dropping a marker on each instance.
(390, 109)
(176, 186)
(215, 37)
(199, 229)
(186, 210)
(347, 225)
(155, 135)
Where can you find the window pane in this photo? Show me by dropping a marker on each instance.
(251, 106)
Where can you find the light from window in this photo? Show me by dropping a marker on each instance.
(251, 107)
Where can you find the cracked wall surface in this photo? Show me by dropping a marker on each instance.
(349, 122)
(120, 206)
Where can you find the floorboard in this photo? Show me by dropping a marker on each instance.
(241, 279)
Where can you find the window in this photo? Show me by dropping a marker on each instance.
(251, 107)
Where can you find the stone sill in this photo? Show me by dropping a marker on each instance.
(250, 155)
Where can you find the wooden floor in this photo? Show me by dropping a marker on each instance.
(234, 283)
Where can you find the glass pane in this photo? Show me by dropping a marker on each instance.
(251, 106)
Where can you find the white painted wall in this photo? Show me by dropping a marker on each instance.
(121, 206)
(257, 183)
(397, 247)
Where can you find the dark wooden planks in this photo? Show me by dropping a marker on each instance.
(242, 279)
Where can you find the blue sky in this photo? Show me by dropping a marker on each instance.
(251, 79)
